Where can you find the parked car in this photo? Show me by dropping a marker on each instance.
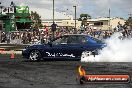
(67, 47)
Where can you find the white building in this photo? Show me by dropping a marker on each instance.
(62, 21)
(105, 23)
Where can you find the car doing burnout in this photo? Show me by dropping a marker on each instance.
(67, 47)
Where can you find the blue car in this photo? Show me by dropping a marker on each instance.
(67, 47)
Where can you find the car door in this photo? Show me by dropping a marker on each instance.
(57, 50)
(76, 45)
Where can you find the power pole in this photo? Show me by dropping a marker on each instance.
(75, 16)
(1, 8)
(109, 18)
(130, 14)
(53, 26)
(53, 10)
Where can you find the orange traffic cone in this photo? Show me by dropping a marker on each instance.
(12, 55)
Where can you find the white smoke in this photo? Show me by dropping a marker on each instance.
(117, 50)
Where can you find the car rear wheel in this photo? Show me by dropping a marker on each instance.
(85, 54)
(35, 55)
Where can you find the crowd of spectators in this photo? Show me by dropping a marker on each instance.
(44, 35)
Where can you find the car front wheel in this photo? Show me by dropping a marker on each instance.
(35, 55)
(85, 54)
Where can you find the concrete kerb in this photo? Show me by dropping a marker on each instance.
(5, 48)
(10, 52)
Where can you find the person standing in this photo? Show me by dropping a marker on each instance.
(53, 28)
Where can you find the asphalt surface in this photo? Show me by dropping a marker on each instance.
(21, 73)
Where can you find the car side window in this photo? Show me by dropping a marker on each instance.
(82, 40)
(61, 40)
(72, 40)
(77, 40)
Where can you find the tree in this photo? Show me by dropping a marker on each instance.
(129, 22)
(83, 18)
(37, 22)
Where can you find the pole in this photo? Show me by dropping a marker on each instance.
(53, 10)
(1, 8)
(75, 16)
(53, 16)
(130, 15)
(109, 18)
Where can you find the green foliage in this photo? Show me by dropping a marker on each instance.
(129, 22)
(37, 22)
(83, 18)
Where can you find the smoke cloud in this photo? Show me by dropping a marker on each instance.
(117, 50)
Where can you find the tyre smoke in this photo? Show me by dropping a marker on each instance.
(117, 50)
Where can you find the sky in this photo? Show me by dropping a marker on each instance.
(95, 8)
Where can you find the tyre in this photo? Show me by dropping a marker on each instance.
(82, 80)
(85, 54)
(35, 55)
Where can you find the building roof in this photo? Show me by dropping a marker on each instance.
(99, 19)
(104, 19)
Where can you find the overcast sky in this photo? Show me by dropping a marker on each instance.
(96, 8)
